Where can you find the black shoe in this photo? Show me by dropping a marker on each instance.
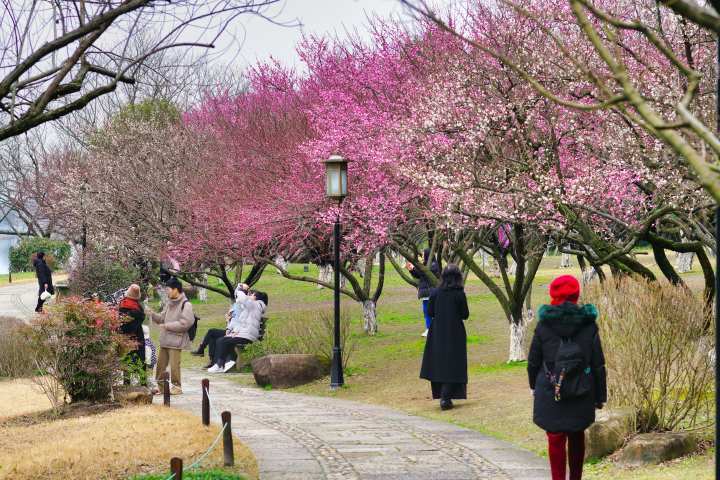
(210, 364)
(197, 353)
(446, 404)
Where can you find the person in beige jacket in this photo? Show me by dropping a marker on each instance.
(174, 322)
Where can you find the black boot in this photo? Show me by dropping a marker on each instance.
(446, 404)
(199, 352)
(210, 364)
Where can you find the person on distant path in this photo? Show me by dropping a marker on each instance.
(214, 334)
(566, 371)
(244, 328)
(44, 277)
(133, 328)
(174, 322)
(444, 362)
(424, 287)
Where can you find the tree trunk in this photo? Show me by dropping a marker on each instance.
(370, 324)
(684, 262)
(565, 260)
(325, 274)
(162, 293)
(280, 262)
(518, 330)
(203, 293)
(360, 267)
(588, 275)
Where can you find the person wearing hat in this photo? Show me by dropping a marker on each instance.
(566, 371)
(133, 326)
(174, 322)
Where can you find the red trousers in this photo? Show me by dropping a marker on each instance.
(559, 458)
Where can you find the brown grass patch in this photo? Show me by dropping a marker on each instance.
(21, 397)
(111, 445)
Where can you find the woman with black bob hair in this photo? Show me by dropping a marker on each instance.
(445, 359)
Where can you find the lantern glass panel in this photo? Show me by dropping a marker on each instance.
(333, 180)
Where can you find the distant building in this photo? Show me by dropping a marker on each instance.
(6, 241)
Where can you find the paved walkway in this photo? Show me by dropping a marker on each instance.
(310, 438)
(18, 300)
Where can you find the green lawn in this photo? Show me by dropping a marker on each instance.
(19, 277)
(384, 369)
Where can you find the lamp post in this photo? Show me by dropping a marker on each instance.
(336, 189)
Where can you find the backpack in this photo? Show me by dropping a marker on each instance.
(571, 377)
(192, 331)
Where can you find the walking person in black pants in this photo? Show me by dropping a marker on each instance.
(445, 359)
(44, 277)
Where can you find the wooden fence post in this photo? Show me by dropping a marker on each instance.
(165, 379)
(176, 468)
(228, 453)
(205, 402)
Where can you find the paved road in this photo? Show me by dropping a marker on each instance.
(18, 300)
(311, 438)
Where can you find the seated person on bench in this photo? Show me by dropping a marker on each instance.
(214, 334)
(244, 328)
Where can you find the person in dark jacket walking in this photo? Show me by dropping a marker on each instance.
(133, 327)
(44, 278)
(445, 359)
(565, 419)
(424, 286)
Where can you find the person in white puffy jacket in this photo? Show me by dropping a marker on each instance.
(244, 328)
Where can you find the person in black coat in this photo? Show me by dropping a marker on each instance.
(565, 419)
(424, 286)
(44, 278)
(132, 327)
(445, 359)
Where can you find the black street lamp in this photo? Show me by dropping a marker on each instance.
(336, 188)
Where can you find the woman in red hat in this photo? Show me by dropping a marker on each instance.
(566, 370)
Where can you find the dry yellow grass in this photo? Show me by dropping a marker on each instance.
(19, 397)
(111, 445)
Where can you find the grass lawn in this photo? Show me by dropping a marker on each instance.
(384, 369)
(18, 277)
(111, 445)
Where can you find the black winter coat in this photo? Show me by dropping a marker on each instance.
(44, 275)
(132, 327)
(556, 322)
(424, 287)
(445, 357)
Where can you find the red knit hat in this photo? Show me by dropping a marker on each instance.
(564, 288)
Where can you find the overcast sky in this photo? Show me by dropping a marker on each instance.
(262, 39)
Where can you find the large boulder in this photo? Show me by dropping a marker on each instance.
(284, 371)
(609, 432)
(654, 448)
(128, 395)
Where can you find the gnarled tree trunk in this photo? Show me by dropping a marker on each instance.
(565, 260)
(518, 332)
(684, 262)
(370, 324)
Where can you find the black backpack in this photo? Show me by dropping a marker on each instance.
(571, 377)
(192, 331)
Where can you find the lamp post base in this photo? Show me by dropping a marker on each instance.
(336, 370)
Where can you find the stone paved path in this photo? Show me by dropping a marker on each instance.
(310, 438)
(18, 300)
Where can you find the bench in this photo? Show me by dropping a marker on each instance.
(263, 325)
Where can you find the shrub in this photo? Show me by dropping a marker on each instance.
(78, 347)
(21, 255)
(16, 353)
(100, 273)
(657, 352)
(313, 334)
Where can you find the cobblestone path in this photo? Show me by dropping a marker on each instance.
(310, 438)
